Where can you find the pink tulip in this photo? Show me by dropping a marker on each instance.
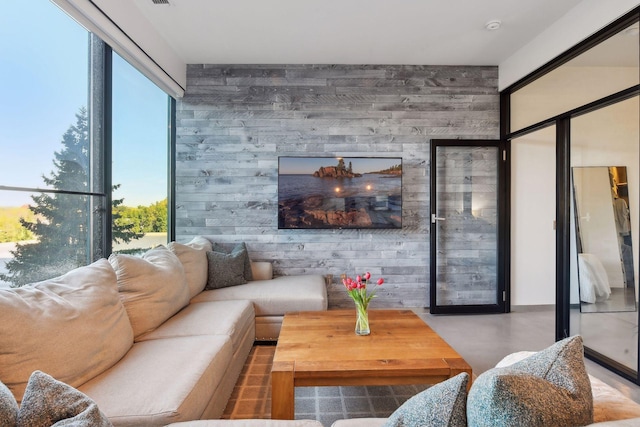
(358, 278)
(367, 276)
(380, 281)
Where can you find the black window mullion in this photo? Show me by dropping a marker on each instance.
(107, 146)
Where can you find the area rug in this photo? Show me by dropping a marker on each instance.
(251, 396)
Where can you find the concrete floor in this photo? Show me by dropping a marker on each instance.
(483, 340)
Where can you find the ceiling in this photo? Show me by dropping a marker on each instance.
(434, 32)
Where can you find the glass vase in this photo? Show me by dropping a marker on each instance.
(362, 320)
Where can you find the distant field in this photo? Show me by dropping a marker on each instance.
(10, 228)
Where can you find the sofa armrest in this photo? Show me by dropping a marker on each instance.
(261, 270)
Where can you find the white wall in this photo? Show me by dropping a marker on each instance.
(581, 22)
(533, 211)
(566, 88)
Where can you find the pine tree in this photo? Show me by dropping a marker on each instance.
(62, 221)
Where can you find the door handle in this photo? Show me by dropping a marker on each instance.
(434, 218)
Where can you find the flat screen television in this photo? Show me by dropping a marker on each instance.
(339, 192)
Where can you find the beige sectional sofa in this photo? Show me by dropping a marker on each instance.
(141, 336)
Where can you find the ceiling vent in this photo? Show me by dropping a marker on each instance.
(160, 1)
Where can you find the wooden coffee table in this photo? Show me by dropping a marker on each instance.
(320, 348)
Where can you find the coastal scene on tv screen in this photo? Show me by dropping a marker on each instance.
(339, 192)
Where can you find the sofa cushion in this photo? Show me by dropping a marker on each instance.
(231, 318)
(152, 287)
(530, 392)
(240, 248)
(72, 327)
(193, 256)
(49, 402)
(225, 269)
(162, 381)
(441, 405)
(609, 404)
(8, 407)
(275, 297)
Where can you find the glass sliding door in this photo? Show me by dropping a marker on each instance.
(590, 95)
(605, 148)
(466, 227)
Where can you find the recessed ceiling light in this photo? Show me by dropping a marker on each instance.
(493, 25)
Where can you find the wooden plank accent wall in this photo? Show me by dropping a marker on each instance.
(236, 120)
(467, 179)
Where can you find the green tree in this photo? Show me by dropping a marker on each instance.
(10, 228)
(122, 231)
(61, 225)
(144, 219)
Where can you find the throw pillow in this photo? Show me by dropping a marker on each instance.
(239, 248)
(442, 405)
(8, 407)
(193, 256)
(49, 402)
(550, 387)
(225, 269)
(152, 287)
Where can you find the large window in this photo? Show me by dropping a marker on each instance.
(139, 151)
(55, 127)
(45, 150)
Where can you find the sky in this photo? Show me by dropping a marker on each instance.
(43, 70)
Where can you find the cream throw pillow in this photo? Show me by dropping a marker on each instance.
(73, 326)
(152, 287)
(193, 256)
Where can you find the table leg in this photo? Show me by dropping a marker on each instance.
(282, 391)
(458, 366)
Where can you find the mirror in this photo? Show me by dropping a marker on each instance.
(603, 239)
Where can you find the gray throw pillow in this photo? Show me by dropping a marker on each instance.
(442, 405)
(239, 248)
(549, 388)
(225, 269)
(8, 407)
(49, 402)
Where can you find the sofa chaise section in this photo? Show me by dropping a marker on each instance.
(273, 297)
